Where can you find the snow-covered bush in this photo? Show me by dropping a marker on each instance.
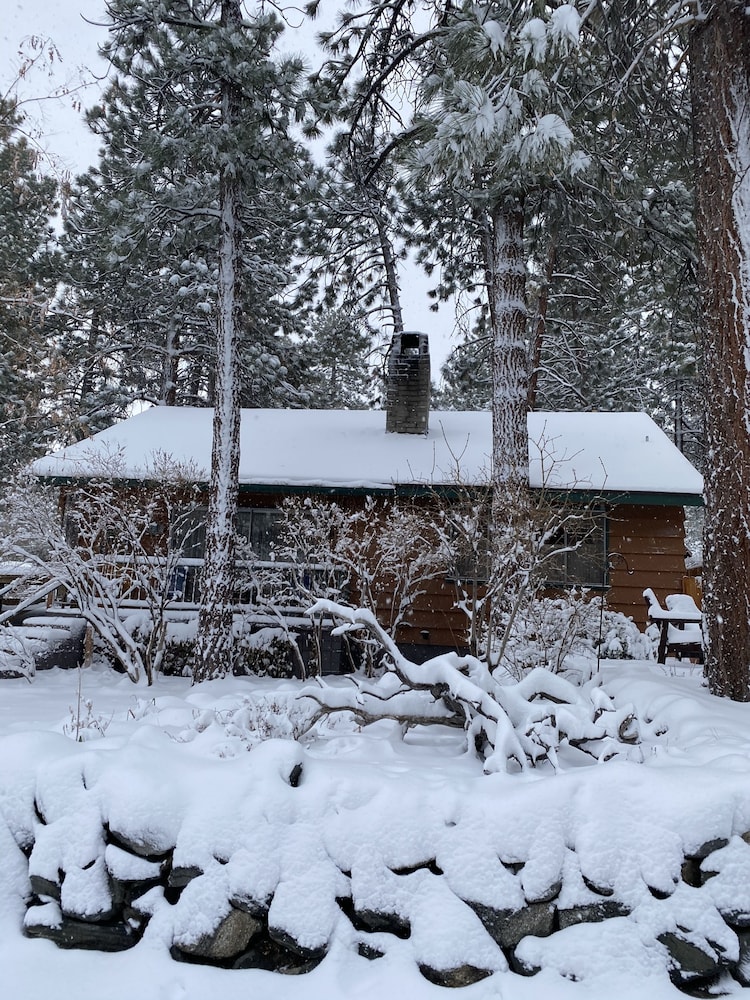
(508, 723)
(262, 652)
(85, 723)
(379, 554)
(621, 639)
(264, 717)
(552, 629)
(549, 630)
(501, 557)
(107, 546)
(268, 652)
(16, 655)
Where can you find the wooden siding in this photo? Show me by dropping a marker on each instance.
(647, 547)
(646, 544)
(651, 541)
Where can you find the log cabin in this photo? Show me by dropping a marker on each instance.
(619, 465)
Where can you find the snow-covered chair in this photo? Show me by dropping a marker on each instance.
(679, 624)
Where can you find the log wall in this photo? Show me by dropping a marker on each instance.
(647, 547)
(651, 544)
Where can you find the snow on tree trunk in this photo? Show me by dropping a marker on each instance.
(391, 276)
(721, 102)
(170, 370)
(214, 643)
(507, 297)
(506, 275)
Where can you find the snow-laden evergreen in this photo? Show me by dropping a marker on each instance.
(143, 226)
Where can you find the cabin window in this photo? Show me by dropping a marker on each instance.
(580, 554)
(258, 527)
(576, 557)
(470, 558)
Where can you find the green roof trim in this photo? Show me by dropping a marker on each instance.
(610, 497)
(631, 499)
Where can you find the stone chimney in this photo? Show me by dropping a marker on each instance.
(408, 385)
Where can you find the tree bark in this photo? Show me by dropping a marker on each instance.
(170, 369)
(506, 273)
(720, 80)
(391, 275)
(505, 267)
(540, 329)
(214, 648)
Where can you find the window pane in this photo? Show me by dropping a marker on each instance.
(264, 533)
(259, 528)
(193, 532)
(244, 519)
(584, 561)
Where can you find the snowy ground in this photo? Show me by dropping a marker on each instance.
(177, 755)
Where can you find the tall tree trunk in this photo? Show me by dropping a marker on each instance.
(505, 267)
(214, 649)
(391, 275)
(170, 368)
(506, 274)
(720, 69)
(82, 430)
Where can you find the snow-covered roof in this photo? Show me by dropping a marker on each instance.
(349, 449)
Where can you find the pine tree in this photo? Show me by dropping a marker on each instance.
(27, 289)
(720, 62)
(611, 276)
(198, 203)
(143, 226)
(489, 126)
(338, 355)
(215, 639)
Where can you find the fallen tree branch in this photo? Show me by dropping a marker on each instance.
(525, 722)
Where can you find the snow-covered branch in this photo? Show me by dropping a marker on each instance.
(517, 724)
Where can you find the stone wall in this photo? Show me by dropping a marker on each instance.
(96, 885)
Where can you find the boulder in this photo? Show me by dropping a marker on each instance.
(464, 975)
(264, 953)
(690, 961)
(66, 932)
(45, 887)
(228, 940)
(706, 848)
(598, 888)
(282, 937)
(368, 951)
(180, 876)
(741, 970)
(375, 922)
(691, 872)
(507, 927)
(131, 876)
(142, 846)
(591, 913)
(546, 895)
(257, 908)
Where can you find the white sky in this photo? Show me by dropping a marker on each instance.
(55, 94)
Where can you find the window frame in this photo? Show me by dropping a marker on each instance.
(572, 542)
